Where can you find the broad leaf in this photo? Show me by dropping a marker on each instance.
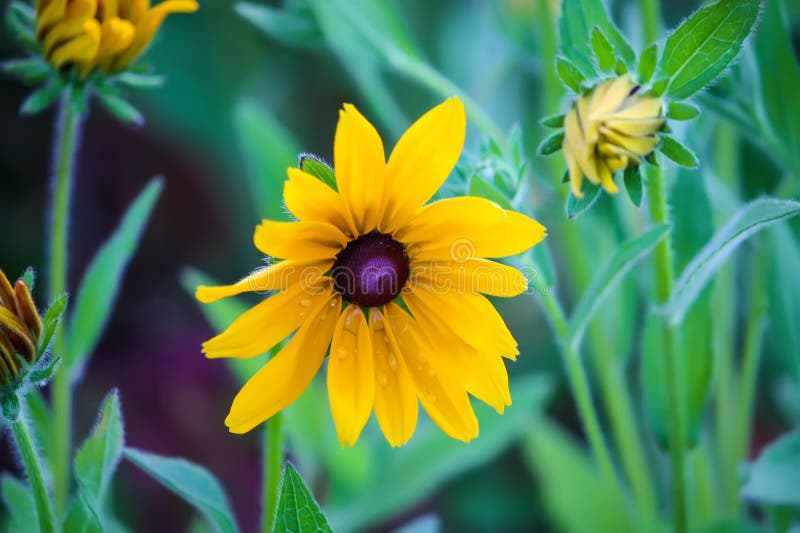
(297, 509)
(609, 275)
(196, 485)
(702, 47)
(20, 505)
(748, 220)
(103, 279)
(773, 477)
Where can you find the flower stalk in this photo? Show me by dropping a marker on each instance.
(273, 460)
(34, 471)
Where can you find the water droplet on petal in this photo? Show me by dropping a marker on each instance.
(392, 362)
(383, 379)
(341, 354)
(305, 302)
(431, 397)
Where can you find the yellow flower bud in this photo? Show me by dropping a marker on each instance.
(104, 35)
(20, 328)
(608, 129)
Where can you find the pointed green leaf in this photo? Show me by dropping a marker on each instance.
(20, 505)
(609, 275)
(747, 221)
(551, 144)
(647, 63)
(42, 98)
(633, 184)
(773, 477)
(121, 108)
(193, 483)
(578, 17)
(29, 277)
(293, 27)
(569, 74)
(702, 47)
(659, 86)
(43, 374)
(21, 21)
(682, 111)
(603, 50)
(51, 322)
(317, 167)
(29, 70)
(478, 187)
(103, 279)
(621, 67)
(553, 121)
(40, 418)
(578, 206)
(677, 152)
(297, 509)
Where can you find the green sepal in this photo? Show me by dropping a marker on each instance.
(31, 71)
(659, 86)
(569, 74)
(603, 50)
(9, 404)
(29, 277)
(652, 159)
(682, 111)
(647, 63)
(551, 144)
(120, 108)
(633, 184)
(50, 323)
(565, 176)
(577, 206)
(621, 67)
(678, 152)
(553, 121)
(42, 98)
(79, 97)
(41, 375)
(317, 167)
(140, 81)
(21, 22)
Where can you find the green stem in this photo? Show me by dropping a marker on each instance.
(651, 19)
(273, 462)
(664, 277)
(33, 469)
(66, 143)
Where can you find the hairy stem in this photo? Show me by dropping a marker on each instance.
(34, 471)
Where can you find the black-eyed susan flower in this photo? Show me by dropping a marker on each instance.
(103, 35)
(608, 129)
(392, 287)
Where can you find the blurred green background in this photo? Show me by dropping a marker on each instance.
(223, 73)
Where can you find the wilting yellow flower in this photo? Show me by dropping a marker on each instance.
(609, 129)
(20, 328)
(350, 260)
(105, 35)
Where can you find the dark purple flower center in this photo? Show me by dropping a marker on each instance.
(371, 270)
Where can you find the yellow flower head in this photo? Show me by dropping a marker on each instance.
(20, 329)
(394, 287)
(105, 35)
(608, 129)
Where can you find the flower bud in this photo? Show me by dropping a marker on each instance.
(609, 129)
(20, 328)
(104, 35)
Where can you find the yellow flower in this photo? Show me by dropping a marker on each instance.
(105, 35)
(609, 129)
(350, 260)
(20, 329)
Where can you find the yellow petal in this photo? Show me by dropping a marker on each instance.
(71, 25)
(82, 48)
(351, 375)
(360, 167)
(640, 108)
(638, 145)
(310, 200)
(47, 14)
(420, 163)
(265, 325)
(609, 100)
(575, 173)
(471, 276)
(301, 241)
(634, 127)
(281, 381)
(445, 402)
(279, 276)
(607, 178)
(396, 405)
(469, 227)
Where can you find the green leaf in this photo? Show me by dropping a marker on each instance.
(193, 483)
(702, 47)
(551, 144)
(410, 475)
(29, 70)
(647, 63)
(317, 167)
(609, 275)
(41, 421)
(677, 152)
(297, 509)
(121, 108)
(42, 98)
(140, 81)
(103, 279)
(633, 184)
(553, 121)
(575, 496)
(289, 26)
(659, 86)
(784, 299)
(578, 206)
(19, 504)
(29, 277)
(747, 221)
(268, 150)
(95, 464)
(773, 477)
(569, 74)
(51, 322)
(220, 315)
(478, 187)
(43, 374)
(9, 404)
(620, 67)
(603, 50)
(682, 111)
